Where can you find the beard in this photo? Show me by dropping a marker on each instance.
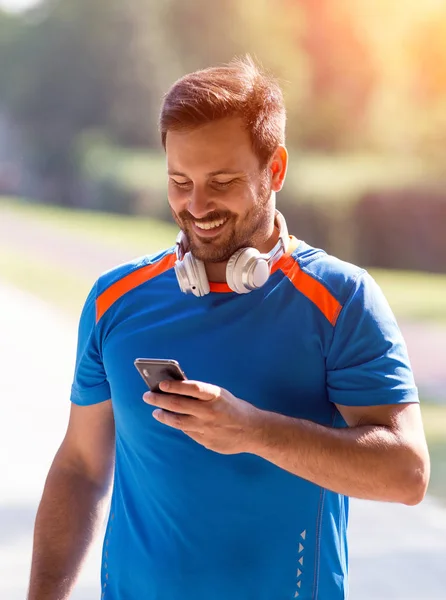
(239, 231)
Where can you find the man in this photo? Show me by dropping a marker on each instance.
(233, 484)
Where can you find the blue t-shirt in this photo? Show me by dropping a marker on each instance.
(187, 522)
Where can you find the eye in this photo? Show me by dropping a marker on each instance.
(180, 184)
(223, 184)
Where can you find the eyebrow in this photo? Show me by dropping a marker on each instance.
(211, 174)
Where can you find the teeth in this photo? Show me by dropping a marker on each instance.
(210, 225)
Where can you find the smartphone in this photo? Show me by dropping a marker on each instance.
(155, 370)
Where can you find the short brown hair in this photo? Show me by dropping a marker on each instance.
(239, 88)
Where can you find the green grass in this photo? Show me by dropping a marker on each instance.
(137, 233)
(347, 177)
(414, 295)
(135, 169)
(63, 289)
(50, 281)
(434, 419)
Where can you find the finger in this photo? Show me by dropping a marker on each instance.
(184, 423)
(174, 403)
(195, 389)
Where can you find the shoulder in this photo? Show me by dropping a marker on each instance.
(326, 281)
(157, 263)
(118, 281)
(338, 277)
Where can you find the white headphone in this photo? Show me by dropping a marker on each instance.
(247, 269)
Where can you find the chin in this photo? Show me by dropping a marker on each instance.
(211, 251)
(210, 255)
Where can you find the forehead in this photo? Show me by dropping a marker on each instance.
(222, 144)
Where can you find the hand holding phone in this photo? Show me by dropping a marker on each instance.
(155, 370)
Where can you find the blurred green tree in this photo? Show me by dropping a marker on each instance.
(54, 86)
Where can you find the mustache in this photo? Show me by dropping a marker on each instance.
(186, 217)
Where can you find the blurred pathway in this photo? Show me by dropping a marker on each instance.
(59, 247)
(37, 348)
(397, 552)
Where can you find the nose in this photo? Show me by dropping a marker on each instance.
(200, 204)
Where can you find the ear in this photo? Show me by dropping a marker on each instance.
(278, 165)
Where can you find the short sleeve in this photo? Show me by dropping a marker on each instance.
(90, 385)
(368, 363)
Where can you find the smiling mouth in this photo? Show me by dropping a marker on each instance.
(210, 224)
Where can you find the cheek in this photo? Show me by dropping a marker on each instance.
(242, 196)
(177, 198)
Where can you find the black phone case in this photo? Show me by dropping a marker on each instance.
(154, 372)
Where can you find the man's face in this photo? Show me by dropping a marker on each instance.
(218, 193)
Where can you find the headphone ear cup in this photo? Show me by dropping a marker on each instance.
(196, 275)
(231, 276)
(238, 268)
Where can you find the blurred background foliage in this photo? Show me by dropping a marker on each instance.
(81, 82)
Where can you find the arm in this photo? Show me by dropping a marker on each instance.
(381, 456)
(383, 453)
(72, 502)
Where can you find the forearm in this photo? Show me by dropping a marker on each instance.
(66, 522)
(370, 462)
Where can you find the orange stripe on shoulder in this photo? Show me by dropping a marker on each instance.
(131, 281)
(312, 289)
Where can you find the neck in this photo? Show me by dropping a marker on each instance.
(216, 272)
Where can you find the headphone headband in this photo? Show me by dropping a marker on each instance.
(282, 243)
